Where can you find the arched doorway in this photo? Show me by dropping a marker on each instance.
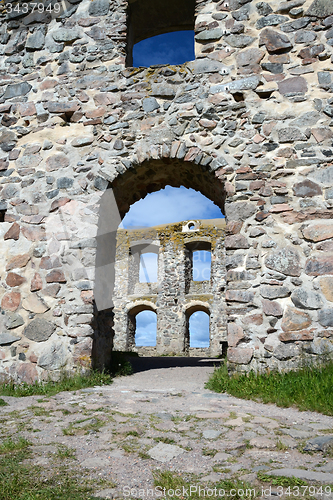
(141, 327)
(170, 294)
(197, 329)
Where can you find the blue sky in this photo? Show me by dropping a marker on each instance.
(170, 205)
(169, 48)
(162, 207)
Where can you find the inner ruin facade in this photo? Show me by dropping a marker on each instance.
(176, 294)
(84, 135)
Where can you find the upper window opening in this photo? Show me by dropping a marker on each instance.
(148, 268)
(170, 48)
(202, 260)
(149, 18)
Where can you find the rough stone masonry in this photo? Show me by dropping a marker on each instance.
(248, 123)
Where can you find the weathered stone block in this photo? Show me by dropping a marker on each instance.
(27, 373)
(305, 299)
(10, 301)
(296, 336)
(318, 231)
(286, 351)
(235, 334)
(319, 265)
(274, 291)
(320, 8)
(307, 189)
(239, 296)
(286, 261)
(239, 355)
(8, 338)
(271, 308)
(14, 279)
(274, 41)
(39, 330)
(325, 317)
(53, 356)
(56, 162)
(236, 241)
(240, 210)
(326, 285)
(295, 320)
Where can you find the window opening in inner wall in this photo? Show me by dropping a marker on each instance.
(199, 329)
(145, 329)
(201, 265)
(148, 267)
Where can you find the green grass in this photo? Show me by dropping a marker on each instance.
(281, 480)
(49, 388)
(9, 445)
(65, 452)
(23, 481)
(309, 388)
(3, 402)
(172, 481)
(164, 440)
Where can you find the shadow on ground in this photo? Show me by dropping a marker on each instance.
(141, 364)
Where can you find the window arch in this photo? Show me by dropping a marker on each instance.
(146, 329)
(142, 326)
(197, 326)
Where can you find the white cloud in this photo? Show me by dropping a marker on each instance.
(170, 205)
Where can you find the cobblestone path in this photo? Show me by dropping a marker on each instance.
(162, 418)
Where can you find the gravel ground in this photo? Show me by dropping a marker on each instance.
(161, 418)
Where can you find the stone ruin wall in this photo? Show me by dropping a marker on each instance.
(175, 296)
(248, 123)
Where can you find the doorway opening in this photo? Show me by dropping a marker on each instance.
(167, 209)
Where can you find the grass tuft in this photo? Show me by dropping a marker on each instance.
(3, 402)
(309, 388)
(281, 480)
(173, 481)
(50, 388)
(9, 445)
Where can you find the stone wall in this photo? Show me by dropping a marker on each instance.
(176, 295)
(248, 123)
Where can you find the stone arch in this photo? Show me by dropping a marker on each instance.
(136, 307)
(192, 169)
(191, 308)
(133, 310)
(164, 165)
